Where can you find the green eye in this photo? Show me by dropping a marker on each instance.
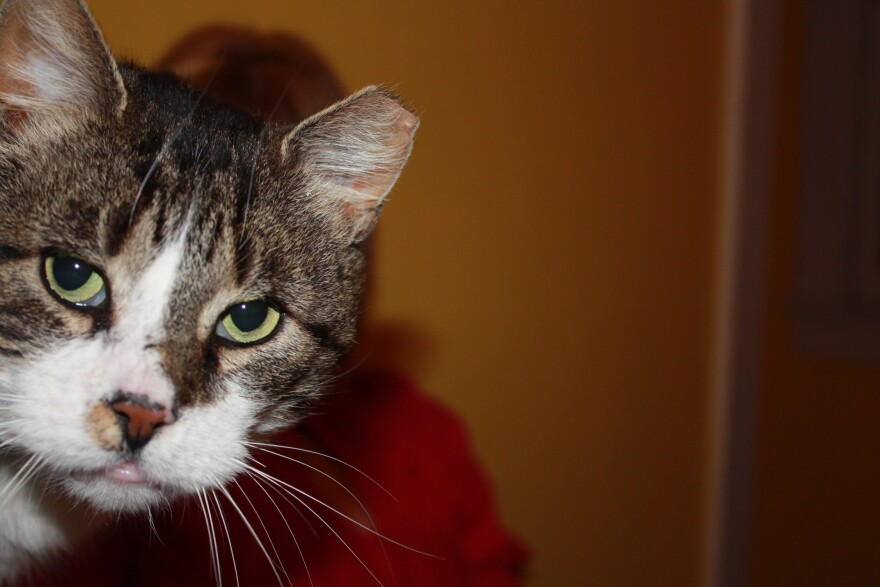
(75, 281)
(248, 322)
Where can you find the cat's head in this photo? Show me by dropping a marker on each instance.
(176, 277)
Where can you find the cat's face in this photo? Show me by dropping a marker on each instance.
(176, 278)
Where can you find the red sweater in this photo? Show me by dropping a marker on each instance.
(381, 425)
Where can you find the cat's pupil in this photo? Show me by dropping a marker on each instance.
(70, 273)
(249, 316)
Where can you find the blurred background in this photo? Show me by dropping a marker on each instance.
(593, 258)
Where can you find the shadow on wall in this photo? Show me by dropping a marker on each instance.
(398, 346)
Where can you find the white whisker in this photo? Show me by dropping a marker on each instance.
(344, 488)
(247, 203)
(265, 445)
(327, 475)
(167, 145)
(283, 496)
(256, 537)
(225, 528)
(302, 557)
(260, 144)
(212, 538)
(337, 376)
(275, 481)
(19, 479)
(339, 513)
(152, 523)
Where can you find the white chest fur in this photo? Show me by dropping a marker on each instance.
(34, 523)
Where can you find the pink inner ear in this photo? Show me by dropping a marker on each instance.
(53, 63)
(362, 217)
(14, 41)
(354, 151)
(396, 139)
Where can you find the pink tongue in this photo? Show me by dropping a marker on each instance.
(127, 472)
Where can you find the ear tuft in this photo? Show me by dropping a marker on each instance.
(352, 153)
(54, 64)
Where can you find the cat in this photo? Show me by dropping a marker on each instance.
(178, 277)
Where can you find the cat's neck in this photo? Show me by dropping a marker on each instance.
(35, 523)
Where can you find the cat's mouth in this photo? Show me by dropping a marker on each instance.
(124, 472)
(127, 472)
(122, 486)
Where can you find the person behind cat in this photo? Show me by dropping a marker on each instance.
(441, 525)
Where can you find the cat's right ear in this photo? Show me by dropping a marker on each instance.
(55, 69)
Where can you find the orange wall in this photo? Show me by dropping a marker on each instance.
(550, 247)
(817, 510)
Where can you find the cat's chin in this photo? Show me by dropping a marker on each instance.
(121, 488)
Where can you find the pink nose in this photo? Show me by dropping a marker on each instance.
(139, 418)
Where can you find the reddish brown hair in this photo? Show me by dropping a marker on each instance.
(276, 75)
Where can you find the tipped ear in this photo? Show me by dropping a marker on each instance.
(352, 153)
(54, 64)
